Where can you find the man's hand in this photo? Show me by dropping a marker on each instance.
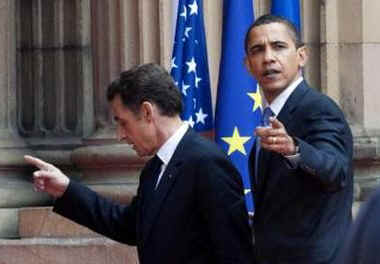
(275, 138)
(48, 178)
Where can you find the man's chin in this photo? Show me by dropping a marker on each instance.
(143, 154)
(272, 89)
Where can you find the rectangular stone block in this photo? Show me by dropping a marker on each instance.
(351, 78)
(310, 19)
(371, 91)
(370, 21)
(312, 71)
(63, 251)
(330, 71)
(44, 223)
(350, 20)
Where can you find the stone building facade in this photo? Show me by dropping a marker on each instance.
(58, 57)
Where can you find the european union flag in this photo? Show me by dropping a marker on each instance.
(238, 108)
(189, 65)
(289, 9)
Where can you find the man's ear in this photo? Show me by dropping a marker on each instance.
(302, 54)
(146, 111)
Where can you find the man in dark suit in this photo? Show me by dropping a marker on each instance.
(189, 206)
(301, 167)
(363, 242)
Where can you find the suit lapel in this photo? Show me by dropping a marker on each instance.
(163, 189)
(144, 178)
(165, 186)
(264, 159)
(285, 115)
(267, 158)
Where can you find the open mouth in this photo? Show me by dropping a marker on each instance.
(270, 73)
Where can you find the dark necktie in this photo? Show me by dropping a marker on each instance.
(149, 193)
(267, 113)
(151, 181)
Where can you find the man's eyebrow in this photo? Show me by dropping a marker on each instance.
(255, 45)
(278, 41)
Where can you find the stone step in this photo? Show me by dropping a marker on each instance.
(66, 251)
(42, 222)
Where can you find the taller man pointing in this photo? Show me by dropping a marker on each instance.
(301, 167)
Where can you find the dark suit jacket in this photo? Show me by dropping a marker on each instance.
(198, 215)
(303, 213)
(363, 243)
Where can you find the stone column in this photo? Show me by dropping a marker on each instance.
(310, 33)
(13, 180)
(8, 133)
(45, 92)
(124, 34)
(350, 42)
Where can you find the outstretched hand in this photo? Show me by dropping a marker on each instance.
(48, 178)
(275, 138)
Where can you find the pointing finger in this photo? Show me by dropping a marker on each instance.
(38, 163)
(276, 124)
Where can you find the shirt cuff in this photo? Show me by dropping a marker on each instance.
(293, 160)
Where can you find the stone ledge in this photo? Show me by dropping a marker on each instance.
(366, 148)
(107, 156)
(42, 222)
(366, 163)
(63, 251)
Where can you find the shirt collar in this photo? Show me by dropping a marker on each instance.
(166, 151)
(279, 102)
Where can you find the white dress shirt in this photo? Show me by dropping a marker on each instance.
(276, 106)
(165, 153)
(279, 102)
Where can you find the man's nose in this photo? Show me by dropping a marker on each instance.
(269, 55)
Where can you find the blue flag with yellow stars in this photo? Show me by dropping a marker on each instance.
(189, 65)
(238, 106)
(289, 9)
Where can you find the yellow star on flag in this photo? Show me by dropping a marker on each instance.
(256, 99)
(236, 142)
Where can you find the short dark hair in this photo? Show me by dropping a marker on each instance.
(147, 82)
(268, 19)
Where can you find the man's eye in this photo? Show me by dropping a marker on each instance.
(254, 50)
(279, 46)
